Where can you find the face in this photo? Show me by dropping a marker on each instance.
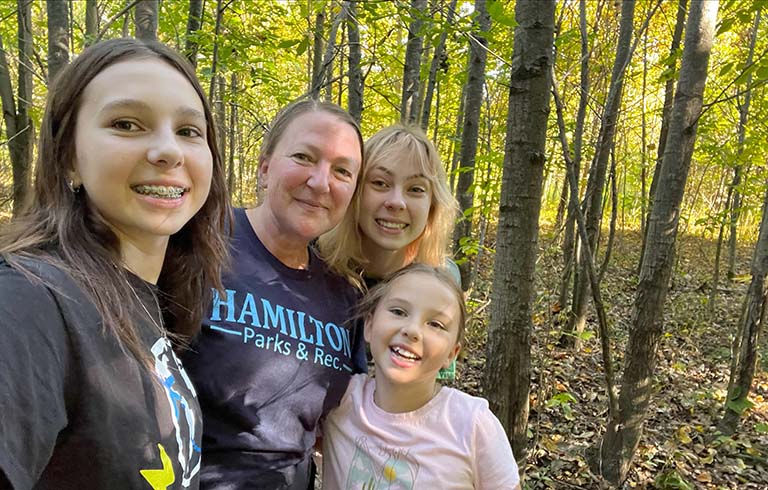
(413, 335)
(141, 152)
(395, 205)
(311, 175)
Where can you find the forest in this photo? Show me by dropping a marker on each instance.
(607, 159)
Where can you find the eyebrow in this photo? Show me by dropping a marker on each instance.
(389, 172)
(315, 149)
(133, 104)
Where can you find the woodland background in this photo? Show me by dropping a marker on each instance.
(616, 335)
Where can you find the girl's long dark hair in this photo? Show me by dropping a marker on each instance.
(61, 227)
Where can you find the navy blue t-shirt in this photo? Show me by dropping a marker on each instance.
(274, 355)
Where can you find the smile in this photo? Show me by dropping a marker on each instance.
(160, 191)
(410, 356)
(391, 225)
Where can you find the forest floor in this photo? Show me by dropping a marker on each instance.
(681, 447)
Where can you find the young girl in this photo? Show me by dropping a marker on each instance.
(122, 242)
(401, 429)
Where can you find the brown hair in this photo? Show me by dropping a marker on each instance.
(341, 247)
(61, 227)
(374, 296)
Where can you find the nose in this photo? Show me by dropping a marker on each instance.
(164, 149)
(411, 330)
(319, 178)
(395, 200)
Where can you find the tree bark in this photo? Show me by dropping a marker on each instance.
(623, 432)
(751, 326)
(194, 23)
(58, 37)
(355, 98)
(409, 108)
(91, 22)
(596, 181)
(438, 61)
(324, 76)
(478, 46)
(146, 20)
(18, 124)
(508, 352)
(669, 95)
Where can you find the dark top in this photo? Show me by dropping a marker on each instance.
(78, 411)
(274, 356)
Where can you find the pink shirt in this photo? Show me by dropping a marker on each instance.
(452, 442)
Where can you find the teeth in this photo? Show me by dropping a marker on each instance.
(405, 354)
(390, 225)
(164, 191)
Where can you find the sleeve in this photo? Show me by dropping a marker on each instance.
(33, 366)
(494, 464)
(359, 350)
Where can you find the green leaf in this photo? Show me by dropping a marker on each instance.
(762, 428)
(672, 480)
(496, 11)
(739, 405)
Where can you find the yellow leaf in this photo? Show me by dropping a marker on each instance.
(704, 477)
(683, 434)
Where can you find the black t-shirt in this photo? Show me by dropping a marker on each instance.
(77, 411)
(274, 355)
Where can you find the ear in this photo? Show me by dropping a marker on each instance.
(263, 171)
(368, 327)
(452, 356)
(73, 176)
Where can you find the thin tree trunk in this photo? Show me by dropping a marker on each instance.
(231, 131)
(569, 242)
(317, 54)
(623, 432)
(718, 257)
(145, 20)
(91, 22)
(355, 97)
(215, 57)
(751, 326)
(409, 109)
(18, 124)
(473, 103)
(58, 37)
(330, 49)
(507, 377)
(456, 154)
(438, 61)
(194, 23)
(612, 224)
(739, 168)
(669, 95)
(598, 170)
(220, 113)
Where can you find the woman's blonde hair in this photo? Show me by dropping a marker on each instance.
(342, 247)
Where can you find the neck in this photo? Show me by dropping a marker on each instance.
(145, 260)
(401, 398)
(288, 251)
(381, 262)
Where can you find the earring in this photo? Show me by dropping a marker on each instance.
(71, 184)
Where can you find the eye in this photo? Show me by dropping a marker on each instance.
(343, 171)
(398, 311)
(437, 324)
(190, 132)
(379, 184)
(418, 189)
(301, 157)
(125, 125)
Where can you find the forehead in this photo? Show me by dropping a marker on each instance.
(141, 79)
(440, 296)
(400, 161)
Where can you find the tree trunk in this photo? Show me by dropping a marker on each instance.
(324, 77)
(456, 153)
(91, 22)
(596, 182)
(18, 124)
(194, 23)
(409, 108)
(669, 95)
(439, 60)
(739, 168)
(623, 433)
(317, 52)
(569, 241)
(472, 104)
(58, 37)
(508, 353)
(215, 56)
(145, 20)
(355, 98)
(231, 130)
(751, 325)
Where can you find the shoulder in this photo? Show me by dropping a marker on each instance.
(458, 400)
(34, 276)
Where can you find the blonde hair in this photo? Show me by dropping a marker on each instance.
(341, 248)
